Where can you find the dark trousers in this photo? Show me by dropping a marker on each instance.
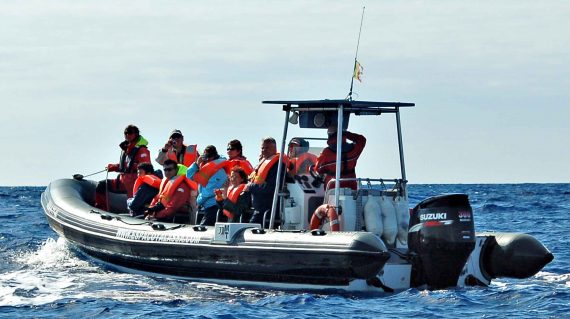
(209, 218)
(110, 185)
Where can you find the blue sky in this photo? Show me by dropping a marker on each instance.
(489, 79)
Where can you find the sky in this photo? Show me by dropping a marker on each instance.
(490, 81)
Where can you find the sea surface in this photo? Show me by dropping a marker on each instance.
(42, 277)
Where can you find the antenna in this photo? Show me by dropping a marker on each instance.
(356, 64)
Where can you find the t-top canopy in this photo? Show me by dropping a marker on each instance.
(356, 107)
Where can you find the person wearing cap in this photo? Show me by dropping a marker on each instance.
(176, 150)
(326, 162)
(300, 160)
(134, 151)
(208, 172)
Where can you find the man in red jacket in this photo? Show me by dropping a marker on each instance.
(326, 162)
(133, 152)
(174, 195)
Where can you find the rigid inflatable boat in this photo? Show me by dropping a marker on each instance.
(382, 245)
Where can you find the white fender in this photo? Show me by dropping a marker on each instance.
(373, 216)
(389, 220)
(403, 218)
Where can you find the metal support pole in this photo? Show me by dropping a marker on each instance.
(400, 144)
(338, 155)
(279, 171)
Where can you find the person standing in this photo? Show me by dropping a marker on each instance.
(326, 162)
(176, 150)
(134, 151)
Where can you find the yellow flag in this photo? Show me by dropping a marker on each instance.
(358, 71)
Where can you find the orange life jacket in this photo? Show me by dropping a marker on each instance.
(206, 171)
(233, 195)
(243, 163)
(302, 163)
(260, 174)
(169, 187)
(149, 179)
(190, 155)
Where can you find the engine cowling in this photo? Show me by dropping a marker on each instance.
(440, 239)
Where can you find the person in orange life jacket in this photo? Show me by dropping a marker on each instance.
(236, 158)
(145, 189)
(300, 160)
(176, 150)
(209, 174)
(134, 151)
(173, 196)
(326, 162)
(262, 181)
(237, 201)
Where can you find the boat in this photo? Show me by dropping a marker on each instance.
(382, 246)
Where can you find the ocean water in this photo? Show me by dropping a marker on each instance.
(42, 277)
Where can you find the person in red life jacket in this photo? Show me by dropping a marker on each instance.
(262, 180)
(237, 201)
(300, 160)
(173, 196)
(134, 151)
(209, 174)
(326, 162)
(145, 189)
(236, 158)
(176, 150)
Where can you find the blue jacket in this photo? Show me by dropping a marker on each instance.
(206, 194)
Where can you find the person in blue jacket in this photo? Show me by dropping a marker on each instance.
(212, 176)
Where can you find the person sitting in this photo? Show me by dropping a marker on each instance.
(176, 150)
(145, 189)
(300, 160)
(173, 196)
(134, 151)
(326, 162)
(237, 201)
(236, 158)
(262, 180)
(208, 173)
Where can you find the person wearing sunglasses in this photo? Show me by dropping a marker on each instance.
(173, 197)
(236, 158)
(134, 151)
(176, 150)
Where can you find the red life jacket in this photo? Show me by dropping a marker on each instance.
(190, 155)
(302, 163)
(233, 195)
(149, 179)
(206, 171)
(168, 188)
(260, 174)
(243, 163)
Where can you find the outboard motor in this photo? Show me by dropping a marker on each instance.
(440, 239)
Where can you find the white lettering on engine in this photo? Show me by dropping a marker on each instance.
(433, 216)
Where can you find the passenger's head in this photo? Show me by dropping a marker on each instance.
(238, 176)
(234, 149)
(298, 146)
(145, 168)
(131, 133)
(210, 153)
(332, 136)
(268, 147)
(176, 138)
(170, 168)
